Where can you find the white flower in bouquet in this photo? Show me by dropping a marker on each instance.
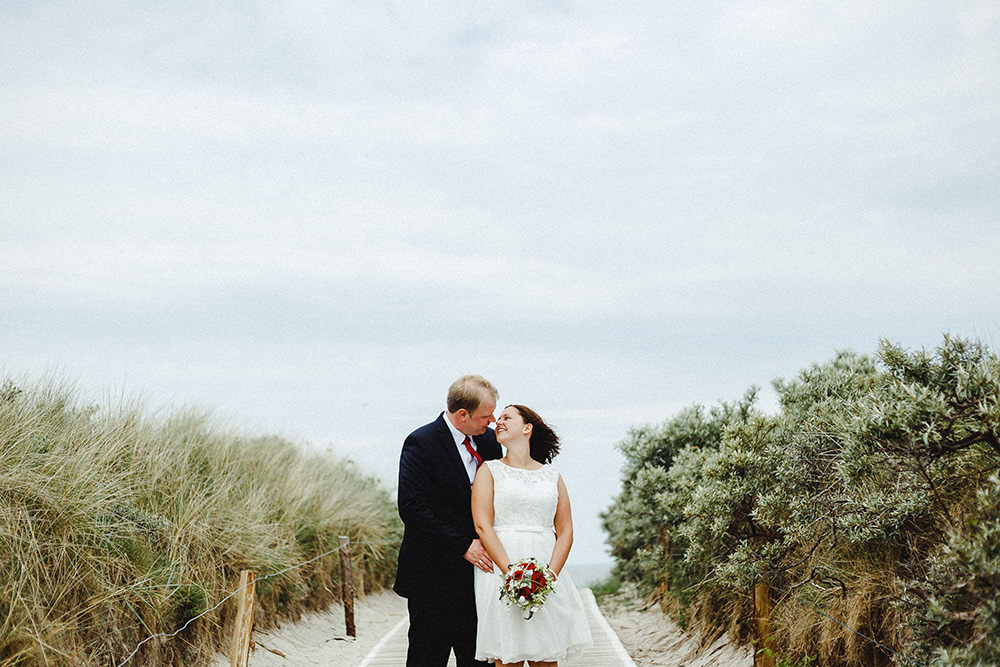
(526, 585)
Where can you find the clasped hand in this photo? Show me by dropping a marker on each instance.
(477, 555)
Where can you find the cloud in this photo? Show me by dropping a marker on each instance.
(297, 211)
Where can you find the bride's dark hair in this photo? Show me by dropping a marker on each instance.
(543, 443)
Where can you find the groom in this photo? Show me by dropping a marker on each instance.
(440, 546)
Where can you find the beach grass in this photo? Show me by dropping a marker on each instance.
(116, 524)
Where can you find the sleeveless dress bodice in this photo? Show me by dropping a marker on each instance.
(524, 498)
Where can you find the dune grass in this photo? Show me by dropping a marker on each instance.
(116, 524)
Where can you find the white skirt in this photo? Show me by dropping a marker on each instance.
(558, 630)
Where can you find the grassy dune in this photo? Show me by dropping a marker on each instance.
(116, 524)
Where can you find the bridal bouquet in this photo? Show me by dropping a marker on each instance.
(526, 585)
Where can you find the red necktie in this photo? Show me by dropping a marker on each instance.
(468, 445)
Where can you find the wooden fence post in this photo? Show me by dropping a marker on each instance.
(239, 655)
(664, 540)
(347, 585)
(762, 626)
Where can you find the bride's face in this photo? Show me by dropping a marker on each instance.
(510, 425)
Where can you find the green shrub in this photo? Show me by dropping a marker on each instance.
(866, 496)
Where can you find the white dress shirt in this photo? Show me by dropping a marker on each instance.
(468, 459)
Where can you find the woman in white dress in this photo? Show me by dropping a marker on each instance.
(521, 510)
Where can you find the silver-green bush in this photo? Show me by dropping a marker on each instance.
(852, 501)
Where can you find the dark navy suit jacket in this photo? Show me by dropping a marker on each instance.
(434, 499)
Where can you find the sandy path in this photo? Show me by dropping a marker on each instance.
(650, 637)
(653, 640)
(319, 638)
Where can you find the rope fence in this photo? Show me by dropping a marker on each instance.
(249, 584)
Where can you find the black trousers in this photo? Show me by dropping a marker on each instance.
(439, 626)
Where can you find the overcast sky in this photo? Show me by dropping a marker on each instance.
(310, 217)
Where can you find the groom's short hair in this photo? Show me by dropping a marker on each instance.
(466, 393)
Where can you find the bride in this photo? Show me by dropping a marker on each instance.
(521, 509)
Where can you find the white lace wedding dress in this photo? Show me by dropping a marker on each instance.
(524, 505)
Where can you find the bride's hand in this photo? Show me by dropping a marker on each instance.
(477, 555)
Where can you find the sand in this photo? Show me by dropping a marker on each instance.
(320, 638)
(650, 637)
(653, 640)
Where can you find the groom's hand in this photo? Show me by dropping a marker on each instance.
(477, 556)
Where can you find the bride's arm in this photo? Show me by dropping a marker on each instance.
(482, 515)
(563, 523)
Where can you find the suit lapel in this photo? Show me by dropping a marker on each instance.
(451, 455)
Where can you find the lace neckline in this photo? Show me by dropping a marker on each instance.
(507, 465)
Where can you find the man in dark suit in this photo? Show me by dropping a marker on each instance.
(440, 545)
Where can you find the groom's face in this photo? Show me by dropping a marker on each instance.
(476, 423)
